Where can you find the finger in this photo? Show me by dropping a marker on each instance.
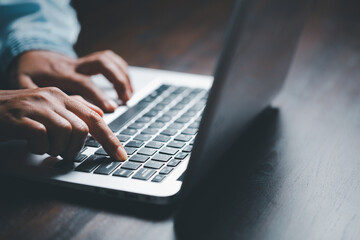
(36, 135)
(98, 129)
(25, 81)
(58, 130)
(95, 64)
(123, 66)
(90, 91)
(78, 135)
(89, 105)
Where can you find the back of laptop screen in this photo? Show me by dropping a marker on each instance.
(261, 40)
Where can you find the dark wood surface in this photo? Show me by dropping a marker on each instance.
(296, 177)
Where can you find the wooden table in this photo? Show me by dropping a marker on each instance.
(296, 177)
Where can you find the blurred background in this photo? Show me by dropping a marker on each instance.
(173, 35)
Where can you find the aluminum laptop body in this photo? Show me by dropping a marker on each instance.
(255, 58)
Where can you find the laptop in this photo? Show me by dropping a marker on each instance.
(177, 126)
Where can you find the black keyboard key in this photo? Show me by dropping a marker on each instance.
(198, 90)
(156, 145)
(147, 151)
(167, 100)
(162, 138)
(107, 167)
(179, 90)
(148, 99)
(161, 157)
(164, 119)
(92, 143)
(181, 156)
(135, 144)
(183, 138)
(142, 137)
(90, 164)
(174, 163)
(151, 131)
(118, 123)
(101, 151)
(169, 151)
(183, 120)
(176, 144)
(130, 132)
(123, 138)
(192, 142)
(194, 125)
(189, 113)
(159, 107)
(154, 164)
(143, 120)
(122, 172)
(171, 113)
(169, 132)
(151, 113)
(143, 103)
(178, 106)
(187, 149)
(176, 126)
(130, 150)
(144, 174)
(80, 157)
(64, 165)
(158, 178)
(197, 107)
(189, 131)
(136, 125)
(166, 170)
(139, 158)
(131, 165)
(157, 125)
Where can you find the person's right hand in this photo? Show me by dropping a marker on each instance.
(54, 123)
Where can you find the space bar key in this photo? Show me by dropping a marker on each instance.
(126, 117)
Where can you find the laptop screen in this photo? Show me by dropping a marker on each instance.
(261, 40)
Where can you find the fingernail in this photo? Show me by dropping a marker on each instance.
(121, 154)
(112, 103)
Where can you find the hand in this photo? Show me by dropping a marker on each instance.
(35, 69)
(54, 123)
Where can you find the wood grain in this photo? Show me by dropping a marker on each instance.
(296, 177)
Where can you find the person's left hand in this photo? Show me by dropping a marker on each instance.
(39, 68)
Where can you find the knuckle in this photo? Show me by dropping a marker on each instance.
(53, 90)
(94, 117)
(46, 93)
(82, 130)
(78, 97)
(124, 62)
(40, 130)
(101, 58)
(108, 52)
(66, 127)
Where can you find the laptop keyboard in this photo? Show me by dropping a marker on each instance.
(157, 133)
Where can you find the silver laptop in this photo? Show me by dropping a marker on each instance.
(177, 126)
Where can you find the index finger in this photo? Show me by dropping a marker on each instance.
(98, 129)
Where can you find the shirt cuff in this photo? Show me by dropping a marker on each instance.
(16, 45)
